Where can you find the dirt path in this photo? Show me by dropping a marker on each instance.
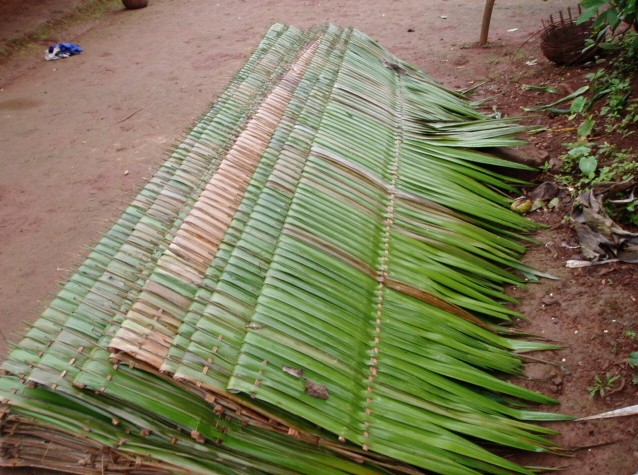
(80, 136)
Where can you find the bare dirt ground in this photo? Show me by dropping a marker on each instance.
(80, 136)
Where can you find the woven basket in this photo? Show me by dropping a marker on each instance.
(563, 42)
(134, 4)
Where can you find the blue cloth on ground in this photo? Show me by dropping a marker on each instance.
(62, 50)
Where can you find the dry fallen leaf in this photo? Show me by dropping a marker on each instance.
(316, 390)
(600, 237)
(296, 372)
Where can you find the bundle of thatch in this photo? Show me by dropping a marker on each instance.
(311, 283)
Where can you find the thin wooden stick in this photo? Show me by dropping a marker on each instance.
(131, 115)
(487, 17)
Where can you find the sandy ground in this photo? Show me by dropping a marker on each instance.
(80, 136)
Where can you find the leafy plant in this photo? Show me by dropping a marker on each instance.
(629, 119)
(579, 157)
(602, 385)
(614, 86)
(617, 166)
(578, 106)
(588, 161)
(588, 164)
(585, 128)
(633, 360)
(609, 13)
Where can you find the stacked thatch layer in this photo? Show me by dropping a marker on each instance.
(309, 284)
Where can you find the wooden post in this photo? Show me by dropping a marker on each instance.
(487, 17)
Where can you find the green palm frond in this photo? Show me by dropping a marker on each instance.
(311, 283)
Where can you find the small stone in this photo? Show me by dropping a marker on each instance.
(544, 192)
(550, 300)
(525, 154)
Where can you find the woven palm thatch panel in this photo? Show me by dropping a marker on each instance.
(311, 283)
(142, 418)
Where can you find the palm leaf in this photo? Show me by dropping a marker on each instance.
(311, 282)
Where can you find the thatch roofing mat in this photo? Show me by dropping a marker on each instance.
(311, 283)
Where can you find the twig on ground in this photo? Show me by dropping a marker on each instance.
(131, 115)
